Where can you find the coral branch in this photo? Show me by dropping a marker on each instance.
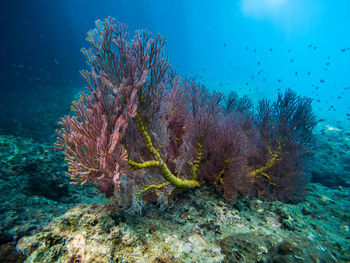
(195, 164)
(153, 186)
(275, 158)
(139, 123)
(165, 172)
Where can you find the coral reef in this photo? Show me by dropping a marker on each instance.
(286, 128)
(200, 227)
(318, 225)
(8, 251)
(142, 131)
(331, 165)
(33, 186)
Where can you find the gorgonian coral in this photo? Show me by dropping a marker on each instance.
(286, 129)
(140, 129)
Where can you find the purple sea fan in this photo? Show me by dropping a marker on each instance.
(140, 129)
(225, 158)
(214, 145)
(286, 129)
(177, 104)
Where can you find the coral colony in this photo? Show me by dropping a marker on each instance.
(142, 132)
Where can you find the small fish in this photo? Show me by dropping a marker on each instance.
(328, 63)
(57, 62)
(317, 88)
(292, 60)
(310, 45)
(254, 50)
(279, 80)
(246, 48)
(270, 49)
(296, 73)
(322, 81)
(289, 50)
(259, 63)
(309, 73)
(339, 97)
(252, 77)
(264, 79)
(314, 48)
(344, 49)
(325, 69)
(246, 83)
(224, 44)
(318, 100)
(321, 120)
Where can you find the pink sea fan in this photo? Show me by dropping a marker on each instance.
(91, 139)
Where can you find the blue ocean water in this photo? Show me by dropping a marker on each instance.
(254, 47)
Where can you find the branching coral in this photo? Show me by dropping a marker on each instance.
(141, 129)
(286, 128)
(91, 140)
(128, 90)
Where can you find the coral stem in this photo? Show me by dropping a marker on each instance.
(166, 173)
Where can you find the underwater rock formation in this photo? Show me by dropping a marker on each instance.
(331, 165)
(199, 227)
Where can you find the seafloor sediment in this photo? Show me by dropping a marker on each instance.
(198, 226)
